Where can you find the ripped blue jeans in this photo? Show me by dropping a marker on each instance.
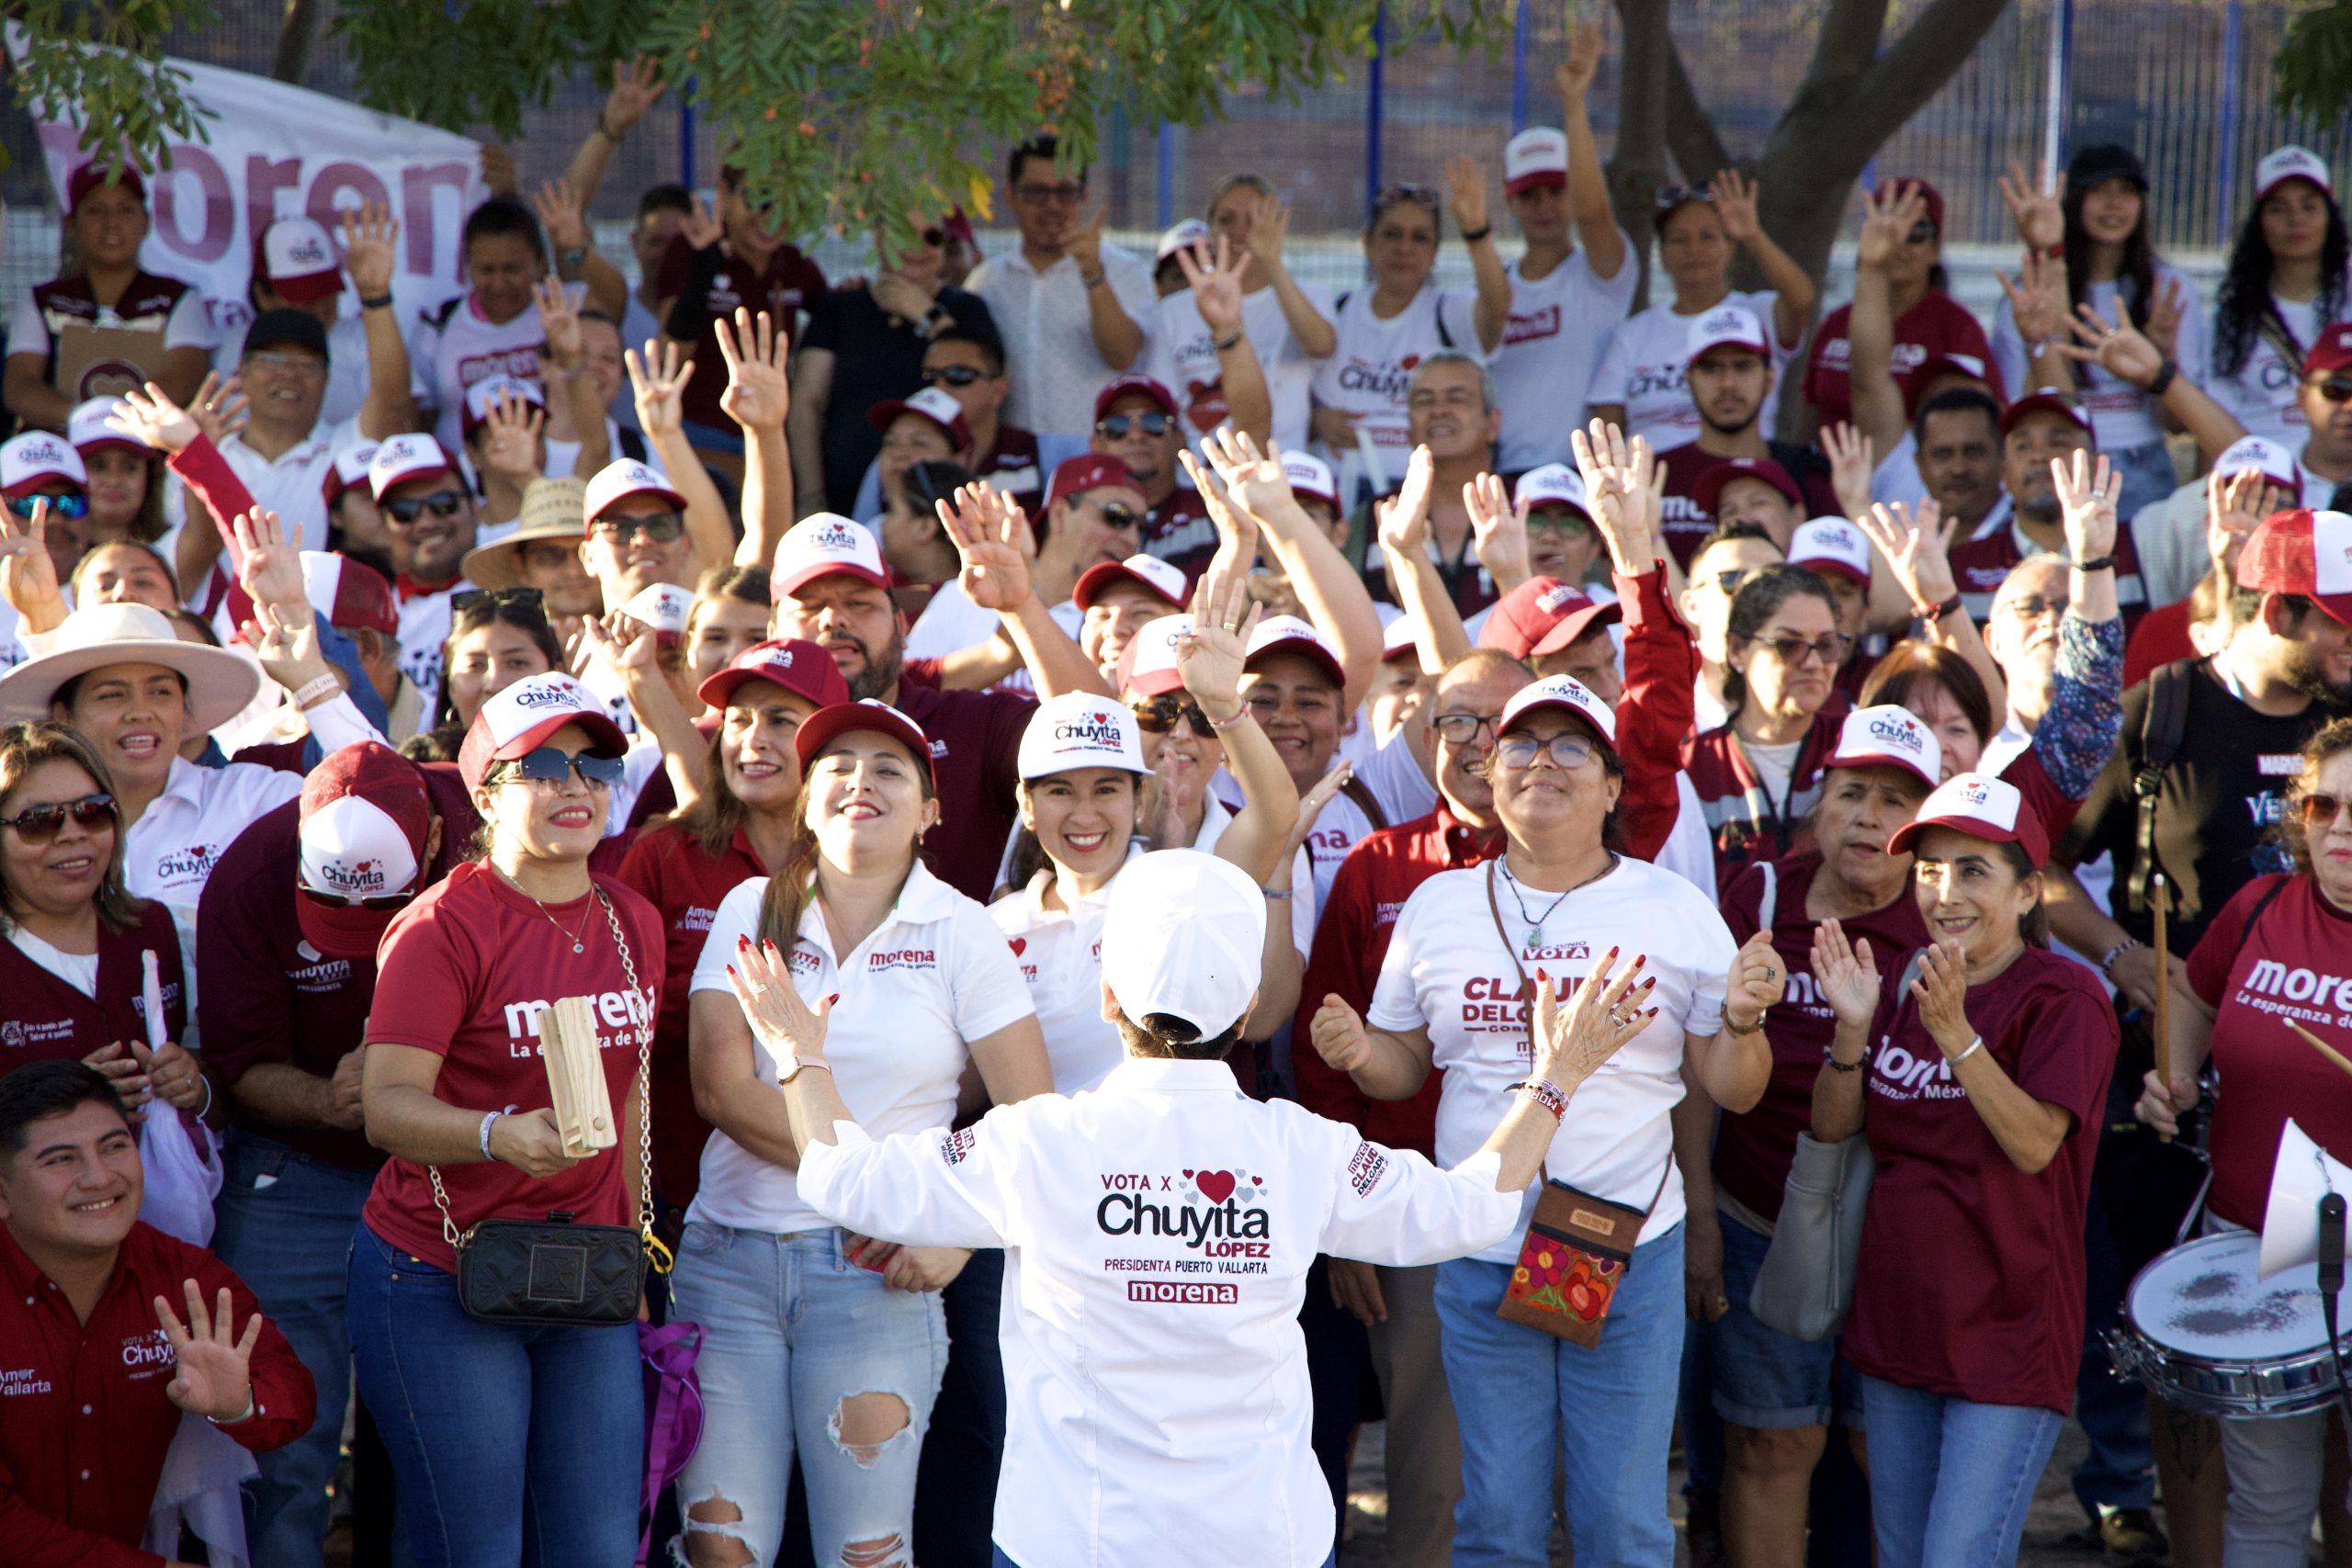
(794, 1333)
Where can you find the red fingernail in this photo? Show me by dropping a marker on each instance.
(831, 1000)
(742, 942)
(1541, 975)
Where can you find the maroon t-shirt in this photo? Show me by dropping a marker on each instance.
(1982, 563)
(2294, 962)
(1937, 327)
(1755, 1148)
(464, 973)
(43, 1019)
(684, 883)
(976, 754)
(1970, 1283)
(790, 283)
(1684, 525)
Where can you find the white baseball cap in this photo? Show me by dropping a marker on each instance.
(1147, 668)
(618, 482)
(1559, 692)
(663, 607)
(1310, 477)
(520, 718)
(353, 453)
(1536, 156)
(1832, 544)
(1981, 806)
(1891, 737)
(491, 390)
(1288, 634)
(87, 429)
(1183, 237)
(2266, 456)
(297, 261)
(1181, 935)
(400, 458)
(1164, 579)
(353, 848)
(932, 403)
(821, 544)
(1079, 729)
(2291, 162)
(1726, 326)
(1553, 484)
(34, 458)
(1396, 640)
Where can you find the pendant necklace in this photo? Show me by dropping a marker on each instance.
(1536, 922)
(575, 935)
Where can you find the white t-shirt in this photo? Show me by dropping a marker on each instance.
(447, 355)
(951, 623)
(933, 975)
(1184, 359)
(188, 326)
(347, 365)
(1060, 953)
(1448, 972)
(2261, 395)
(1773, 764)
(1642, 368)
(2122, 415)
(424, 628)
(1367, 370)
(79, 970)
(1543, 366)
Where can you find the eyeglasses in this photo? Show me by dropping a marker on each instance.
(1921, 234)
(1117, 515)
(72, 507)
(1114, 426)
(409, 508)
(289, 364)
(548, 765)
(1558, 520)
(1460, 728)
(1069, 192)
(2033, 606)
(40, 824)
(2322, 810)
(2334, 388)
(1671, 196)
(377, 902)
(1157, 715)
(1569, 752)
(953, 374)
(1727, 583)
(1420, 196)
(660, 527)
(1792, 650)
(500, 596)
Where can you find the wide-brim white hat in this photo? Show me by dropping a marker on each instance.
(219, 683)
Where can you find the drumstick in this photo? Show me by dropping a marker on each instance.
(2159, 896)
(2321, 1046)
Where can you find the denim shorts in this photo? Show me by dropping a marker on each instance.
(1764, 1380)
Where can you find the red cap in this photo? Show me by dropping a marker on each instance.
(1132, 385)
(2302, 552)
(90, 176)
(792, 662)
(1089, 470)
(519, 719)
(2044, 400)
(931, 403)
(365, 818)
(349, 592)
(819, 729)
(1163, 579)
(1542, 615)
(1709, 489)
(2331, 352)
(1983, 808)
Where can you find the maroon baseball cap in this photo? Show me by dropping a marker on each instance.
(821, 728)
(1709, 489)
(90, 176)
(2043, 400)
(1133, 385)
(792, 662)
(2331, 352)
(1542, 615)
(359, 851)
(2304, 552)
(1089, 470)
(1927, 193)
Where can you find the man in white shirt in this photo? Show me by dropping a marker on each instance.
(1070, 309)
(429, 514)
(295, 270)
(1161, 1229)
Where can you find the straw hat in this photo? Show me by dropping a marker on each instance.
(219, 683)
(553, 510)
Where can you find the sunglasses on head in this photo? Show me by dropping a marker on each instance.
(2320, 810)
(1420, 196)
(409, 508)
(1157, 715)
(1671, 196)
(659, 527)
(548, 765)
(953, 374)
(75, 507)
(39, 824)
(473, 596)
(379, 903)
(1117, 424)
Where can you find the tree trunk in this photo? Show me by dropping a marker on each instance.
(298, 34)
(1639, 166)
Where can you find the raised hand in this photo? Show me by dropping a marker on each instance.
(1085, 243)
(2040, 220)
(1253, 482)
(211, 1372)
(1754, 983)
(636, 86)
(151, 418)
(1498, 531)
(559, 214)
(269, 564)
(510, 442)
(1851, 463)
(1268, 227)
(27, 573)
(1735, 202)
(701, 228)
(984, 526)
(759, 393)
(220, 408)
(1572, 79)
(2117, 347)
(1888, 216)
(2164, 316)
(792, 1031)
(1465, 191)
(1845, 976)
(622, 642)
(499, 171)
(1603, 1014)
(1311, 804)
(1339, 1037)
(1210, 654)
(2087, 491)
(2038, 298)
(1624, 493)
(2233, 508)
(286, 645)
(1216, 280)
(1404, 522)
(1942, 990)
(1913, 545)
(368, 251)
(658, 381)
(559, 321)
(1236, 530)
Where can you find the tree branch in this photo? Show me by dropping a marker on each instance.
(297, 35)
(1913, 70)
(1699, 151)
(1846, 45)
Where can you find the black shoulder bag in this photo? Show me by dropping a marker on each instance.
(552, 1272)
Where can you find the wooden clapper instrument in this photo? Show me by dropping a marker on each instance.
(584, 1111)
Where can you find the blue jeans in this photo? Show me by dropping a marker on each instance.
(791, 1330)
(1951, 1480)
(284, 1227)
(1610, 1409)
(1765, 1380)
(509, 1445)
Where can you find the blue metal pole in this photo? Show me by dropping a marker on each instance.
(1372, 112)
(1519, 69)
(2226, 145)
(1164, 196)
(687, 132)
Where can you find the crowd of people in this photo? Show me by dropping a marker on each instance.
(462, 774)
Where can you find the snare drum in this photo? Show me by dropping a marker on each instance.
(2206, 1336)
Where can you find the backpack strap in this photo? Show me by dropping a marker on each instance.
(1356, 789)
(2163, 725)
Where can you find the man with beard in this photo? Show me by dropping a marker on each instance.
(832, 588)
(2044, 427)
(1730, 377)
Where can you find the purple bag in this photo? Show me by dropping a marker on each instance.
(673, 1411)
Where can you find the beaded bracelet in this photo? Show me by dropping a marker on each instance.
(1545, 1093)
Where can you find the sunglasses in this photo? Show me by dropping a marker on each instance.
(379, 903)
(1157, 715)
(2322, 810)
(1117, 513)
(1117, 426)
(1520, 750)
(548, 765)
(1793, 651)
(1558, 520)
(408, 509)
(500, 596)
(74, 507)
(2334, 388)
(953, 376)
(40, 824)
(660, 527)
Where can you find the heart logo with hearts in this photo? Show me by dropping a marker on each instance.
(1217, 1186)
(1204, 404)
(1020, 945)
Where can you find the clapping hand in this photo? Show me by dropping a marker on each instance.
(1845, 976)
(657, 382)
(1941, 991)
(211, 1372)
(988, 530)
(1756, 981)
(759, 393)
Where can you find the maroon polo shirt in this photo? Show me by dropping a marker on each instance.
(790, 283)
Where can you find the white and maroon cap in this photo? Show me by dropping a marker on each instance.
(1396, 640)
(1888, 736)
(400, 458)
(1726, 326)
(365, 815)
(87, 429)
(349, 592)
(821, 728)
(492, 390)
(1553, 484)
(1079, 729)
(663, 607)
(618, 482)
(1983, 808)
(930, 403)
(2264, 456)
(1536, 156)
(1832, 544)
(1544, 616)
(820, 545)
(1183, 237)
(1310, 479)
(1560, 692)
(37, 457)
(791, 663)
(520, 718)
(1135, 384)
(1165, 580)
(297, 261)
(2043, 400)
(2308, 553)
(353, 453)
(1182, 936)
(1288, 634)
(1147, 667)
(2291, 162)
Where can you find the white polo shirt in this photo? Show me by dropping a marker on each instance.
(1053, 371)
(292, 484)
(1544, 365)
(1060, 953)
(1159, 1232)
(932, 976)
(1448, 972)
